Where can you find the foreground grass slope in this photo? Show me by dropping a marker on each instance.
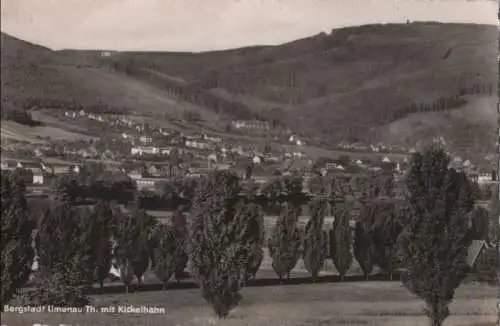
(364, 303)
(334, 86)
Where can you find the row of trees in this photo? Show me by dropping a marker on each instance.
(428, 236)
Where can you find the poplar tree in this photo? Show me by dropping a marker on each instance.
(220, 239)
(180, 234)
(103, 218)
(133, 235)
(434, 244)
(164, 254)
(341, 242)
(284, 243)
(65, 263)
(313, 255)
(256, 226)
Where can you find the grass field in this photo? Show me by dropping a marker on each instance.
(366, 303)
(15, 131)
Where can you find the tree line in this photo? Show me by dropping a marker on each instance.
(222, 237)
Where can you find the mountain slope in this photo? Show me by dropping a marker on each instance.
(343, 83)
(36, 76)
(353, 83)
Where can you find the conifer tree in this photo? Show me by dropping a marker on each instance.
(103, 218)
(220, 238)
(133, 235)
(434, 244)
(256, 221)
(364, 251)
(314, 241)
(284, 243)
(64, 255)
(180, 233)
(165, 254)
(16, 238)
(341, 242)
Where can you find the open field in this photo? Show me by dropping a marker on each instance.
(364, 303)
(15, 131)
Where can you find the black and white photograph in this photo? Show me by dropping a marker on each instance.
(250, 163)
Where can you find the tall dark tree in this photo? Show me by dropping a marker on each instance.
(434, 245)
(66, 189)
(180, 233)
(220, 240)
(165, 254)
(16, 238)
(284, 243)
(104, 223)
(133, 233)
(256, 229)
(364, 250)
(386, 226)
(313, 255)
(64, 255)
(341, 241)
(480, 223)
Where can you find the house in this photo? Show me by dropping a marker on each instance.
(213, 139)
(8, 165)
(144, 150)
(155, 170)
(166, 150)
(135, 174)
(198, 144)
(257, 159)
(149, 183)
(212, 158)
(38, 177)
(222, 166)
(386, 160)
(475, 250)
(145, 139)
(254, 125)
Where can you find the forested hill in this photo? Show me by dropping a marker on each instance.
(350, 82)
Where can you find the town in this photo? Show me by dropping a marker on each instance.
(151, 156)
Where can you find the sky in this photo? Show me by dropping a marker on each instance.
(201, 25)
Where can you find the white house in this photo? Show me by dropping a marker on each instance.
(257, 159)
(38, 177)
(144, 150)
(145, 139)
(212, 158)
(386, 160)
(484, 177)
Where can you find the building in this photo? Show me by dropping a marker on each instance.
(38, 177)
(213, 139)
(149, 183)
(251, 124)
(145, 139)
(144, 150)
(198, 144)
(257, 159)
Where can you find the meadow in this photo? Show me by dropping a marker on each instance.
(362, 303)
